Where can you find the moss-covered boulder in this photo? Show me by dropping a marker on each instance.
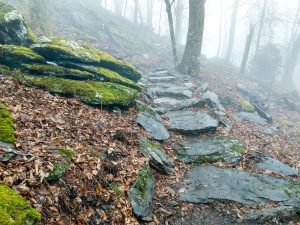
(141, 194)
(65, 51)
(90, 92)
(7, 127)
(14, 210)
(13, 29)
(15, 56)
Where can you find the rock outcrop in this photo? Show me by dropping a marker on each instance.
(65, 67)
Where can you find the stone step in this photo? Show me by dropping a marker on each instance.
(162, 79)
(171, 92)
(166, 104)
(190, 122)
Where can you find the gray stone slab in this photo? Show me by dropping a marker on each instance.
(154, 127)
(190, 122)
(265, 162)
(210, 184)
(209, 150)
(158, 159)
(212, 100)
(162, 79)
(171, 92)
(252, 117)
(170, 104)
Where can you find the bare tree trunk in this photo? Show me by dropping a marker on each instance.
(291, 62)
(160, 17)
(150, 5)
(125, 8)
(136, 10)
(172, 33)
(294, 31)
(220, 28)
(232, 30)
(179, 19)
(190, 63)
(118, 7)
(247, 48)
(261, 24)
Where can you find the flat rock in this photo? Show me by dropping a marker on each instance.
(280, 212)
(172, 92)
(265, 162)
(170, 104)
(153, 126)
(141, 194)
(190, 122)
(159, 73)
(158, 159)
(229, 150)
(252, 117)
(211, 184)
(161, 79)
(212, 100)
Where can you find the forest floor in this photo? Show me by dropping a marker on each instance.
(107, 159)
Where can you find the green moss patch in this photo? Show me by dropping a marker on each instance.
(58, 71)
(14, 210)
(60, 51)
(246, 106)
(7, 127)
(93, 93)
(15, 56)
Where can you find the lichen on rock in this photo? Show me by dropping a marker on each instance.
(7, 127)
(14, 210)
(13, 29)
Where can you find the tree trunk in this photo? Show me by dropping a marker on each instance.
(118, 7)
(247, 48)
(136, 11)
(232, 30)
(220, 28)
(261, 24)
(190, 63)
(294, 31)
(179, 19)
(160, 18)
(291, 63)
(171, 28)
(150, 4)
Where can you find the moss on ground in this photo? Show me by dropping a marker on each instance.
(15, 56)
(58, 171)
(246, 106)
(14, 210)
(142, 107)
(93, 93)
(7, 127)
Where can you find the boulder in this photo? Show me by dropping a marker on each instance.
(212, 100)
(154, 127)
(158, 159)
(89, 92)
(147, 110)
(68, 53)
(15, 210)
(189, 122)
(141, 194)
(210, 184)
(210, 150)
(7, 127)
(13, 29)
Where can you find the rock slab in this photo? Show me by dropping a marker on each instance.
(158, 159)
(141, 194)
(154, 127)
(189, 122)
(229, 150)
(210, 184)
